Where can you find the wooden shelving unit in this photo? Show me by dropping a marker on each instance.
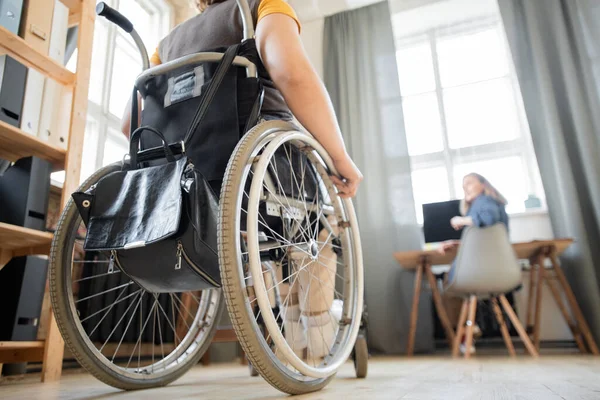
(14, 144)
(16, 241)
(18, 144)
(21, 51)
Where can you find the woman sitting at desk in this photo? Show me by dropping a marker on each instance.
(482, 206)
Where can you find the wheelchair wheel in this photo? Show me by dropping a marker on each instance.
(125, 336)
(290, 256)
(361, 357)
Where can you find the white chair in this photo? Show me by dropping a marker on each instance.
(486, 267)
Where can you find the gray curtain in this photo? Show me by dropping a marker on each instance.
(362, 79)
(555, 47)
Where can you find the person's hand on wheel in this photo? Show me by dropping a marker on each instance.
(348, 186)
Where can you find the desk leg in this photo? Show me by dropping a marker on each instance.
(439, 305)
(414, 314)
(566, 315)
(538, 303)
(583, 326)
(530, 297)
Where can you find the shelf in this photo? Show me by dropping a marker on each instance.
(21, 51)
(22, 345)
(16, 144)
(16, 241)
(16, 352)
(72, 5)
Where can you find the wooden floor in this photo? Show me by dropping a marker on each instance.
(550, 377)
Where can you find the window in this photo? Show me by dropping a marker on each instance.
(463, 112)
(115, 64)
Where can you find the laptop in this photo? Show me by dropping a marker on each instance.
(436, 222)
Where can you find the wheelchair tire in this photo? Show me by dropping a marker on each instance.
(186, 351)
(361, 357)
(272, 364)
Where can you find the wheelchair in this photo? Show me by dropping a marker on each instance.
(294, 293)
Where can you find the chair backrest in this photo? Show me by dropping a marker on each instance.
(486, 263)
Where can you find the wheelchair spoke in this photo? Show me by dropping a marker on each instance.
(90, 262)
(138, 344)
(111, 305)
(116, 271)
(104, 292)
(167, 318)
(301, 193)
(127, 328)
(162, 349)
(116, 326)
(284, 280)
(109, 310)
(183, 317)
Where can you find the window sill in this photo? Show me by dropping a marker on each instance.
(529, 213)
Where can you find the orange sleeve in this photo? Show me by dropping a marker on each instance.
(155, 59)
(268, 7)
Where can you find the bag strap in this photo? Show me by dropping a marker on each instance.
(134, 145)
(255, 113)
(209, 94)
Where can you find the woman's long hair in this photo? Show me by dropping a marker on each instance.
(201, 5)
(488, 190)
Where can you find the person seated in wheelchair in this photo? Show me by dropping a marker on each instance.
(292, 88)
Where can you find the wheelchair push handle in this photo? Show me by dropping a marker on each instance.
(104, 10)
(247, 21)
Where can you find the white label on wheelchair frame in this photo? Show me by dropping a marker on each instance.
(293, 213)
(185, 86)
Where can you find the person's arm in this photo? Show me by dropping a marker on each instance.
(486, 212)
(126, 119)
(285, 59)
(460, 222)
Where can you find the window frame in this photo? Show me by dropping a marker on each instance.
(448, 158)
(163, 19)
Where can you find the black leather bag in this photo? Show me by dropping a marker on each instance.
(159, 224)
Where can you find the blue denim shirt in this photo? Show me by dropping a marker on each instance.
(485, 211)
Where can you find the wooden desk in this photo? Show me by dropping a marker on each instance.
(537, 252)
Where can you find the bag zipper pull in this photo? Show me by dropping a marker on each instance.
(111, 263)
(179, 252)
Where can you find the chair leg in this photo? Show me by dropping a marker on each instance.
(503, 328)
(470, 325)
(460, 328)
(517, 324)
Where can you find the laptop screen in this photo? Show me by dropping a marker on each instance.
(436, 221)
